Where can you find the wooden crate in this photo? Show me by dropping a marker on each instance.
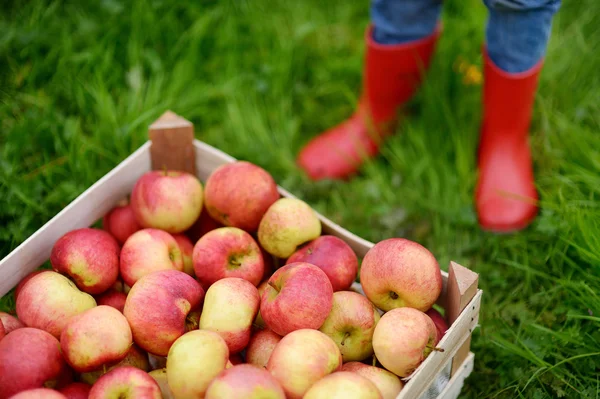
(172, 145)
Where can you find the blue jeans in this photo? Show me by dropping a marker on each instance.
(516, 36)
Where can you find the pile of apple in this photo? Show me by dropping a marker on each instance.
(245, 299)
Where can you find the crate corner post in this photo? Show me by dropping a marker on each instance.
(172, 138)
(462, 287)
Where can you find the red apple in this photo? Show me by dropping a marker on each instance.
(157, 307)
(135, 357)
(345, 385)
(302, 358)
(26, 279)
(167, 200)
(95, 337)
(49, 300)
(39, 393)
(351, 324)
(238, 194)
(261, 345)
(403, 338)
(112, 298)
(125, 383)
(229, 308)
(194, 360)
(245, 381)
(333, 256)
(388, 383)
(227, 252)
(187, 249)
(90, 257)
(76, 390)
(29, 358)
(299, 296)
(2, 331)
(440, 324)
(400, 273)
(9, 323)
(147, 251)
(120, 222)
(288, 223)
(203, 225)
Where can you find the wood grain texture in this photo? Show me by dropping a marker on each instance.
(172, 140)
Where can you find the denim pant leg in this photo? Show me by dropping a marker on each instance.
(518, 31)
(402, 21)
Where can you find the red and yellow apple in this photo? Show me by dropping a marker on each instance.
(89, 256)
(229, 308)
(302, 358)
(343, 384)
(351, 324)
(49, 300)
(187, 249)
(238, 194)
(29, 358)
(298, 295)
(227, 252)
(120, 222)
(400, 273)
(245, 381)
(194, 360)
(125, 383)
(259, 323)
(288, 223)
(260, 347)
(403, 338)
(157, 307)
(168, 200)
(147, 251)
(333, 256)
(388, 383)
(160, 376)
(26, 279)
(97, 336)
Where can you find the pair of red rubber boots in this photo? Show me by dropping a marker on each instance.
(505, 196)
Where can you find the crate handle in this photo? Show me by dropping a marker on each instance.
(172, 138)
(462, 287)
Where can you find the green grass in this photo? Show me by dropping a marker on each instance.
(80, 84)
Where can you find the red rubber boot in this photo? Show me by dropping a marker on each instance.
(506, 196)
(391, 76)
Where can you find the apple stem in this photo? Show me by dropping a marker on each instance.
(374, 360)
(272, 284)
(346, 335)
(436, 349)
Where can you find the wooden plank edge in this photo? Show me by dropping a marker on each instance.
(172, 138)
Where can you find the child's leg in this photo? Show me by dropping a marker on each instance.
(402, 21)
(399, 47)
(517, 35)
(518, 31)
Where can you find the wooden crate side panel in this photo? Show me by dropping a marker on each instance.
(455, 385)
(84, 211)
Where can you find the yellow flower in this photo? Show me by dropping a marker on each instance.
(471, 74)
